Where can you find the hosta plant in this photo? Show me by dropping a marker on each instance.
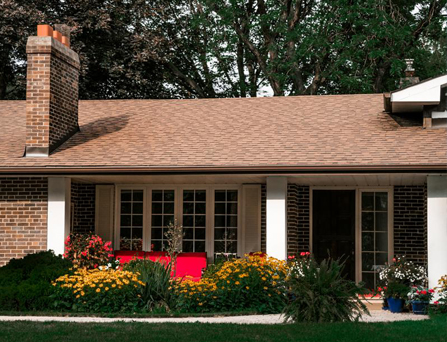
(320, 293)
(88, 251)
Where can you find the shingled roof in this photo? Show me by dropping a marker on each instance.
(277, 133)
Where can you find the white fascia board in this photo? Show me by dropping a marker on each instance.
(425, 92)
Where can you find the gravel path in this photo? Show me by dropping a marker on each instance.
(376, 316)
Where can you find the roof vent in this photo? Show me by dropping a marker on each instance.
(409, 78)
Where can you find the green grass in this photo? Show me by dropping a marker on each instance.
(434, 329)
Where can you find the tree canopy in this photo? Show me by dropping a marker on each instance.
(230, 48)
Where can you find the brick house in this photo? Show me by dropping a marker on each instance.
(361, 176)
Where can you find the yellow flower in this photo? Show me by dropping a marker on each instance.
(237, 283)
(247, 287)
(98, 290)
(107, 289)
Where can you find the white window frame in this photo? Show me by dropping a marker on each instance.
(178, 210)
(358, 213)
(118, 212)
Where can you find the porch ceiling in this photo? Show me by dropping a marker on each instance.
(302, 179)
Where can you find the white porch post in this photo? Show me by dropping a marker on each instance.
(437, 228)
(276, 235)
(59, 190)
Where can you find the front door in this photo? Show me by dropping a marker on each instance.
(333, 222)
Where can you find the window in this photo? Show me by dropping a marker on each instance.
(225, 221)
(194, 220)
(163, 203)
(131, 220)
(374, 225)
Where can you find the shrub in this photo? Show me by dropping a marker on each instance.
(98, 291)
(404, 272)
(441, 303)
(253, 283)
(25, 284)
(156, 293)
(396, 290)
(87, 250)
(319, 292)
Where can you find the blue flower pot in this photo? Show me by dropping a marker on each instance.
(419, 308)
(395, 305)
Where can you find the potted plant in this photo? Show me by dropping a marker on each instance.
(396, 293)
(420, 297)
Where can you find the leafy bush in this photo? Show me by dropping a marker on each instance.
(404, 272)
(441, 303)
(25, 284)
(87, 250)
(98, 291)
(157, 291)
(396, 290)
(255, 283)
(319, 292)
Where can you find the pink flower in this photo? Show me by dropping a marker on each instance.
(110, 255)
(290, 257)
(303, 253)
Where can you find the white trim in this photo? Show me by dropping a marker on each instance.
(276, 211)
(58, 221)
(436, 228)
(98, 188)
(358, 229)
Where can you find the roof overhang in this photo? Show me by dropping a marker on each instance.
(415, 97)
(276, 169)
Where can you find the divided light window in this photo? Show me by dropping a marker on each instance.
(225, 221)
(374, 235)
(162, 216)
(131, 220)
(194, 220)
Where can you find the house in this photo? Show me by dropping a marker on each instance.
(361, 176)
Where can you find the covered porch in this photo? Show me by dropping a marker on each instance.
(366, 218)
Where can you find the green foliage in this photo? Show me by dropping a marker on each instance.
(156, 294)
(25, 284)
(176, 48)
(319, 293)
(254, 283)
(396, 290)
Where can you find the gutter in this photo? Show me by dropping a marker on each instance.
(144, 170)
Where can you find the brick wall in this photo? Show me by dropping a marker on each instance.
(298, 222)
(83, 205)
(23, 217)
(51, 94)
(410, 222)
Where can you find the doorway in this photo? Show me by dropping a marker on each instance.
(333, 223)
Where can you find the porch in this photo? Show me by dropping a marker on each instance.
(366, 218)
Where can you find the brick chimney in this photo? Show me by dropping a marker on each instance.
(52, 82)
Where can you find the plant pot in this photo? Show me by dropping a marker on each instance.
(395, 305)
(419, 308)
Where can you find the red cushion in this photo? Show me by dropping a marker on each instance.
(188, 264)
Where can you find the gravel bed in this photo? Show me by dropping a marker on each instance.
(376, 316)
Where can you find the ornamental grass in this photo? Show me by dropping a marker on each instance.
(253, 283)
(96, 290)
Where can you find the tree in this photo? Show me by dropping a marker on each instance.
(230, 48)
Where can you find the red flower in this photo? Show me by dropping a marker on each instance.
(303, 253)
(424, 292)
(110, 255)
(290, 257)
(394, 259)
(152, 247)
(436, 302)
(379, 289)
(431, 291)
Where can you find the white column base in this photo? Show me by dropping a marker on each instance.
(59, 191)
(276, 235)
(436, 228)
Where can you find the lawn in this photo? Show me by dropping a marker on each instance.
(431, 330)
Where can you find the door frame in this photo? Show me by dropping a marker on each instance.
(358, 210)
